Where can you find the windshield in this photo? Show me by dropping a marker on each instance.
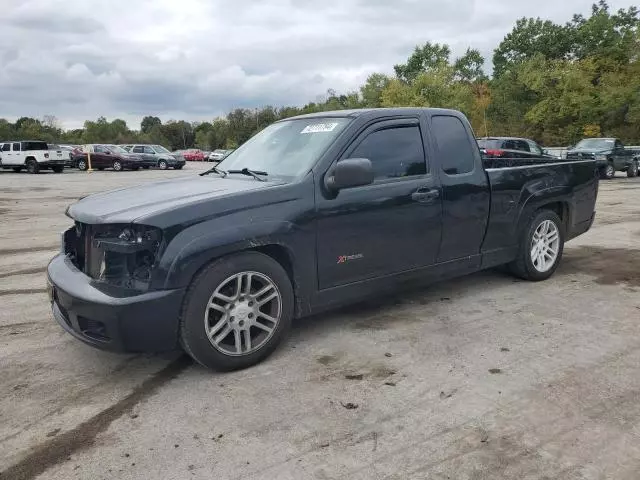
(160, 149)
(596, 143)
(116, 149)
(287, 148)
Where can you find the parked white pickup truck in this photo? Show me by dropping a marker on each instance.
(33, 155)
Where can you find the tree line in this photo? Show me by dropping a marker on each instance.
(555, 83)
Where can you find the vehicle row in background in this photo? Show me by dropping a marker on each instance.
(160, 156)
(31, 155)
(610, 155)
(100, 157)
(190, 155)
(218, 155)
(511, 147)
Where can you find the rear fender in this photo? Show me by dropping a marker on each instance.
(539, 199)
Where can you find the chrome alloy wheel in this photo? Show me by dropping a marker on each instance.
(545, 246)
(243, 313)
(610, 171)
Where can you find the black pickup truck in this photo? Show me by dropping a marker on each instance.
(610, 155)
(313, 212)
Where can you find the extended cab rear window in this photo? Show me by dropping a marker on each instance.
(454, 149)
(26, 146)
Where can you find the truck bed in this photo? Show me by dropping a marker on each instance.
(516, 187)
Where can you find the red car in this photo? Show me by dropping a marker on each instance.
(193, 155)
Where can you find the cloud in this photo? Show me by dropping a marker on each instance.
(196, 59)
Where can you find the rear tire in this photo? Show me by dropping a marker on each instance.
(238, 279)
(32, 166)
(632, 171)
(117, 166)
(540, 253)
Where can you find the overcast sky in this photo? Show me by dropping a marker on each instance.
(196, 59)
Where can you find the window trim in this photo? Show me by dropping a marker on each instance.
(19, 147)
(388, 124)
(469, 135)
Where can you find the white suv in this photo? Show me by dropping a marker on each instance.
(33, 155)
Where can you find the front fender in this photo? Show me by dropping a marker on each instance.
(200, 244)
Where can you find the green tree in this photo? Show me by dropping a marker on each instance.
(529, 37)
(7, 130)
(427, 57)
(470, 67)
(148, 123)
(605, 35)
(371, 91)
(179, 134)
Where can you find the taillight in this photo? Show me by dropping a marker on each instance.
(495, 153)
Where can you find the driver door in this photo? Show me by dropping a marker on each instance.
(149, 154)
(100, 158)
(621, 156)
(390, 226)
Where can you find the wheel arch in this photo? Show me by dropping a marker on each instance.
(187, 261)
(554, 199)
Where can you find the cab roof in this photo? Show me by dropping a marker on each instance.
(364, 111)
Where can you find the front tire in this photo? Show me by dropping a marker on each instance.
(609, 171)
(162, 165)
(82, 165)
(117, 166)
(32, 166)
(236, 311)
(541, 247)
(632, 171)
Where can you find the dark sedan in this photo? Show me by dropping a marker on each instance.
(108, 156)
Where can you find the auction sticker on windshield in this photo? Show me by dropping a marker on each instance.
(319, 128)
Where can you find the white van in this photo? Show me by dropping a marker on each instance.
(33, 155)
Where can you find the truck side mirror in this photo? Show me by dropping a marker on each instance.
(349, 173)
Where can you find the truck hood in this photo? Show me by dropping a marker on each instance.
(606, 151)
(128, 205)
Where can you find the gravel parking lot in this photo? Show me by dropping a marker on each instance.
(484, 377)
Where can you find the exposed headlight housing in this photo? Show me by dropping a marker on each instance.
(600, 157)
(125, 257)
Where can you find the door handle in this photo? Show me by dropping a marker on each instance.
(425, 196)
